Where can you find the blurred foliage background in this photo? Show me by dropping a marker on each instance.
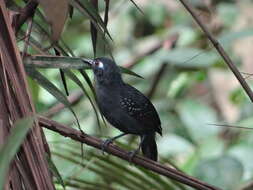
(195, 90)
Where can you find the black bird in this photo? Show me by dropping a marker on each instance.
(125, 107)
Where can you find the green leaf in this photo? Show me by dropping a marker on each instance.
(88, 81)
(195, 115)
(63, 78)
(230, 37)
(35, 90)
(86, 8)
(94, 34)
(55, 171)
(62, 62)
(104, 167)
(129, 72)
(79, 83)
(137, 6)
(8, 150)
(156, 179)
(52, 89)
(225, 172)
(150, 179)
(93, 30)
(107, 3)
(112, 163)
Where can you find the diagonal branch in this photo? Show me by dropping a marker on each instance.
(116, 151)
(220, 50)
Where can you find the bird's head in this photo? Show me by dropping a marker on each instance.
(105, 70)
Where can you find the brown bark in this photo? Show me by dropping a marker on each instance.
(29, 169)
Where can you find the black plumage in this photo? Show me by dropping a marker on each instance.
(125, 107)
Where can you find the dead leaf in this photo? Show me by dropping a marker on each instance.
(56, 12)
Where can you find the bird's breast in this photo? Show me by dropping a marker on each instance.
(108, 99)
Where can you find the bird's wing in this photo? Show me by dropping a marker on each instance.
(138, 106)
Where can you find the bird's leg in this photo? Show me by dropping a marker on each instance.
(108, 141)
(134, 152)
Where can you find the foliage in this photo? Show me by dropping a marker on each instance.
(195, 90)
(8, 150)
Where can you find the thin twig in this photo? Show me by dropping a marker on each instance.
(229, 126)
(220, 50)
(116, 151)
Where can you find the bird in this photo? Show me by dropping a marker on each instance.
(125, 107)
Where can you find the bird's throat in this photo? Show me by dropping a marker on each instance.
(109, 81)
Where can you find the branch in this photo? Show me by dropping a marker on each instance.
(220, 50)
(123, 154)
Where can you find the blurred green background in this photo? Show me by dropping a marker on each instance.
(195, 90)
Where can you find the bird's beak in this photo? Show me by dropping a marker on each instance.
(88, 61)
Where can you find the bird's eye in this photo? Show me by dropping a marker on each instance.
(96, 63)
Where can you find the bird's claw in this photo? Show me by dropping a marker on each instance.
(105, 144)
(132, 154)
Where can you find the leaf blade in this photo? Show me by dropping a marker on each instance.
(52, 89)
(17, 135)
(129, 72)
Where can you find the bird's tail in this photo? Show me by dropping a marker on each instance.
(148, 147)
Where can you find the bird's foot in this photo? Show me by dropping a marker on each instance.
(132, 154)
(105, 145)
